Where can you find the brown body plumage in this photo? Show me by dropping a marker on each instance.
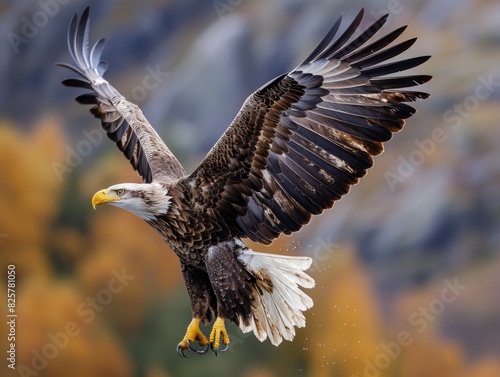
(296, 146)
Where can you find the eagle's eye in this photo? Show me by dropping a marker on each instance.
(120, 192)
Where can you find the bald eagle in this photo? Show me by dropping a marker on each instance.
(295, 147)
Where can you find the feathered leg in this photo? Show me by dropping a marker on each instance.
(234, 288)
(202, 304)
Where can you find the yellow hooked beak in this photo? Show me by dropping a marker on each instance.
(101, 197)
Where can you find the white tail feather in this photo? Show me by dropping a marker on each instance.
(278, 309)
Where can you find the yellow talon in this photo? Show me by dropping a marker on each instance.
(215, 336)
(193, 334)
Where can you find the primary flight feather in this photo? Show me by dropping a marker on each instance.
(295, 147)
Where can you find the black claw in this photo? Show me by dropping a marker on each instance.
(199, 352)
(180, 351)
(213, 349)
(219, 350)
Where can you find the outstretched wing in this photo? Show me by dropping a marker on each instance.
(301, 141)
(123, 121)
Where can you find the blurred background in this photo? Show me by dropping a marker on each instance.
(407, 264)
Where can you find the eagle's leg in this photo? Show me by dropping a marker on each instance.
(233, 288)
(193, 334)
(202, 307)
(218, 334)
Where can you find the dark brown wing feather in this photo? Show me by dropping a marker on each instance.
(301, 141)
(123, 121)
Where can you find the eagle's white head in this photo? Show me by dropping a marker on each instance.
(146, 200)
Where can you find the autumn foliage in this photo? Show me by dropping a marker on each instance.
(100, 294)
